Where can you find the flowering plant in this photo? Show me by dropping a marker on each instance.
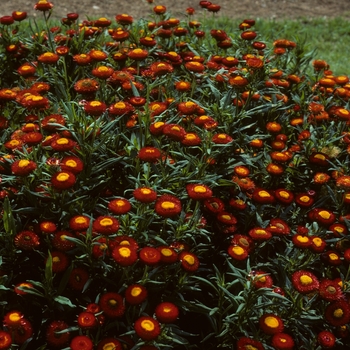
(170, 186)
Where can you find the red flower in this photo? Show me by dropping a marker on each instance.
(79, 223)
(110, 343)
(226, 218)
(259, 233)
(174, 131)
(112, 304)
(189, 261)
(124, 255)
(326, 339)
(262, 279)
(81, 342)
(338, 313)
(278, 227)
(150, 256)
(43, 5)
(282, 341)
(168, 255)
(73, 164)
(102, 72)
(271, 324)
(105, 225)
(119, 206)
(301, 241)
(237, 252)
(145, 195)
(87, 320)
(60, 241)
(86, 86)
(304, 200)
(95, 108)
(318, 245)
(243, 241)
(191, 139)
(263, 196)
(222, 139)
(62, 144)
(48, 58)
(149, 154)
(330, 290)
(19, 15)
(55, 339)
(21, 288)
(246, 343)
(147, 328)
(136, 294)
(168, 206)
(13, 319)
(27, 240)
(138, 54)
(166, 312)
(305, 282)
(63, 180)
(78, 278)
(198, 191)
(22, 333)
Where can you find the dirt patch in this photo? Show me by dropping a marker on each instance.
(236, 9)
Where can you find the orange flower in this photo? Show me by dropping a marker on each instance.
(43, 5)
(124, 19)
(86, 86)
(48, 58)
(138, 54)
(102, 72)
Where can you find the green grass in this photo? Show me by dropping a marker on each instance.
(330, 38)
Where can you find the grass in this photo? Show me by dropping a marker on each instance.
(329, 38)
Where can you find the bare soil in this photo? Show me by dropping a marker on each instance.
(235, 9)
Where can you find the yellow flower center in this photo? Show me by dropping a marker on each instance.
(146, 191)
(189, 259)
(106, 222)
(15, 317)
(136, 291)
(95, 103)
(23, 163)
(147, 325)
(226, 217)
(71, 163)
(80, 220)
(109, 346)
(333, 256)
(138, 51)
(303, 239)
(271, 322)
(260, 232)
(112, 302)
(305, 280)
(317, 241)
(199, 189)
(119, 105)
(264, 194)
(305, 199)
(320, 156)
(155, 107)
(62, 177)
(56, 259)
(262, 279)
(62, 141)
(338, 313)
(324, 214)
(238, 250)
(102, 69)
(189, 104)
(167, 252)
(125, 252)
(168, 205)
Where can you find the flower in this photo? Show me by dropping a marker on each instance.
(54, 338)
(95, 108)
(112, 304)
(120, 108)
(105, 225)
(150, 256)
(78, 278)
(282, 341)
(22, 288)
(102, 72)
(48, 58)
(63, 180)
(284, 196)
(138, 54)
(110, 344)
(87, 320)
(43, 5)
(259, 233)
(21, 333)
(79, 223)
(124, 255)
(73, 164)
(189, 261)
(262, 280)
(149, 154)
(198, 191)
(60, 261)
(168, 206)
(81, 342)
(147, 328)
(174, 132)
(166, 312)
(60, 241)
(27, 240)
(337, 313)
(86, 86)
(237, 252)
(62, 144)
(263, 196)
(326, 339)
(330, 290)
(5, 340)
(167, 255)
(271, 324)
(305, 282)
(119, 206)
(135, 294)
(145, 195)
(13, 319)
(245, 343)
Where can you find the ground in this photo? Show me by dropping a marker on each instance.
(238, 9)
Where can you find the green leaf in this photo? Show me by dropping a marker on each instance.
(64, 301)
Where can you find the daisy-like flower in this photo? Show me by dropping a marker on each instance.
(168, 255)
(168, 206)
(27, 240)
(135, 294)
(337, 313)
(48, 121)
(278, 226)
(198, 191)
(48, 58)
(271, 324)
(95, 108)
(21, 288)
(166, 312)
(63, 180)
(78, 278)
(5, 340)
(237, 252)
(86, 86)
(120, 108)
(262, 279)
(105, 225)
(60, 261)
(62, 144)
(149, 154)
(73, 164)
(259, 234)
(112, 304)
(282, 341)
(222, 139)
(150, 256)
(81, 342)
(60, 241)
(145, 195)
(326, 339)
(79, 223)
(245, 343)
(54, 338)
(226, 218)
(305, 282)
(263, 196)
(23, 167)
(318, 245)
(110, 343)
(174, 132)
(102, 72)
(124, 255)
(189, 261)
(43, 5)
(119, 206)
(138, 54)
(87, 320)
(147, 328)
(301, 241)
(13, 319)
(243, 241)
(22, 332)
(330, 290)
